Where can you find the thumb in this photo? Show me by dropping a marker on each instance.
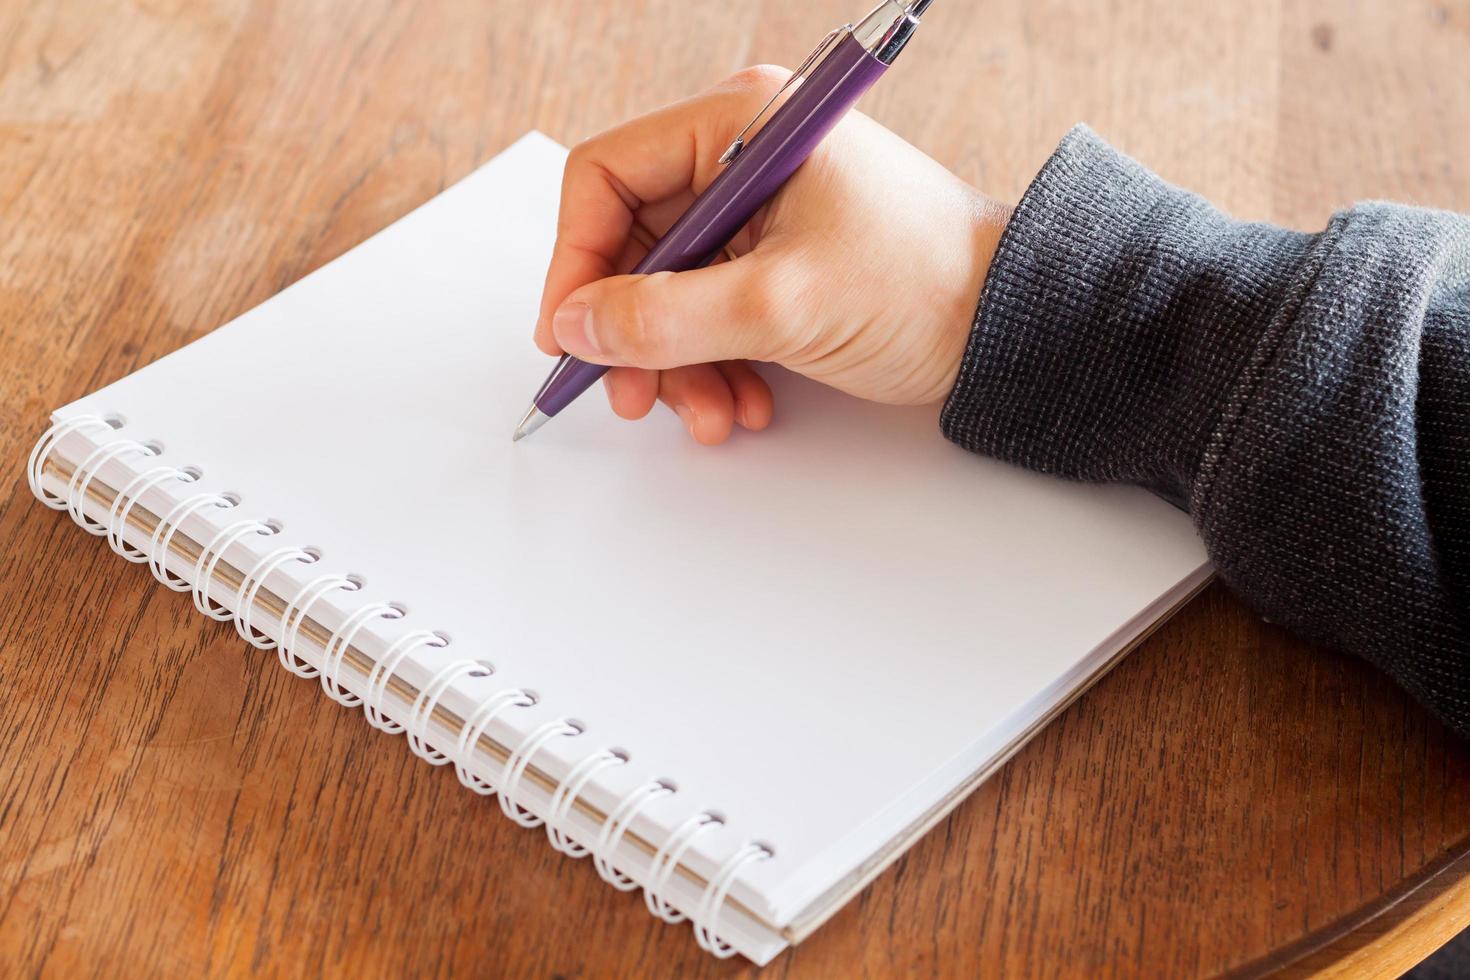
(669, 319)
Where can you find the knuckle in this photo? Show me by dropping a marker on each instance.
(576, 163)
(571, 172)
(642, 328)
(583, 158)
(577, 155)
(762, 80)
(772, 303)
(566, 221)
(737, 99)
(769, 293)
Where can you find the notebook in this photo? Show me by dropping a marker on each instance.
(740, 679)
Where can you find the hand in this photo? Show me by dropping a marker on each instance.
(863, 272)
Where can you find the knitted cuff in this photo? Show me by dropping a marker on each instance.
(1116, 316)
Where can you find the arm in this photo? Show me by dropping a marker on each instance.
(1305, 397)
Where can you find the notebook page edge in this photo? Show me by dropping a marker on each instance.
(813, 893)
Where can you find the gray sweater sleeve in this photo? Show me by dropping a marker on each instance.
(1305, 397)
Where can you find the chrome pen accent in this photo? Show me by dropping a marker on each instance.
(883, 33)
(530, 422)
(886, 31)
(801, 72)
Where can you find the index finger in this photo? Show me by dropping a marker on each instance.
(651, 158)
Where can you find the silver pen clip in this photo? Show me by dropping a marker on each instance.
(733, 150)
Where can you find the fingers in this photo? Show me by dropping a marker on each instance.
(730, 311)
(610, 177)
(701, 398)
(631, 391)
(710, 399)
(753, 402)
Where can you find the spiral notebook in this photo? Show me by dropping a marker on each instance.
(741, 679)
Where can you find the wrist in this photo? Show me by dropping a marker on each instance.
(987, 219)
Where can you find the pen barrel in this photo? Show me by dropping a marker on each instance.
(745, 184)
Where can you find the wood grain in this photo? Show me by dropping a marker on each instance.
(170, 802)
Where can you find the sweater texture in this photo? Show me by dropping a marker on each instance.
(1306, 397)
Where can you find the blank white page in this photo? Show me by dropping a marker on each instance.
(817, 630)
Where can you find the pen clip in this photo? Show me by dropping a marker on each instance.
(733, 150)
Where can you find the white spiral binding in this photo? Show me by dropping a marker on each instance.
(249, 589)
(36, 462)
(163, 535)
(421, 712)
(294, 614)
(208, 561)
(706, 917)
(81, 478)
(564, 797)
(667, 858)
(613, 828)
(474, 726)
(122, 505)
(616, 825)
(382, 673)
(341, 640)
(519, 758)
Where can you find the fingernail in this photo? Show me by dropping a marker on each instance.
(740, 415)
(572, 326)
(687, 416)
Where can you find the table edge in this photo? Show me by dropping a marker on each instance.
(1388, 935)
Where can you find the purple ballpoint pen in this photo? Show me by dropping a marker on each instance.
(833, 78)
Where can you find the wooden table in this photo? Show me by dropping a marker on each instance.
(1228, 799)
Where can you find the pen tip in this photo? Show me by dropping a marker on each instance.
(533, 420)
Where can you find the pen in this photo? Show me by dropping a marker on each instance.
(833, 77)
